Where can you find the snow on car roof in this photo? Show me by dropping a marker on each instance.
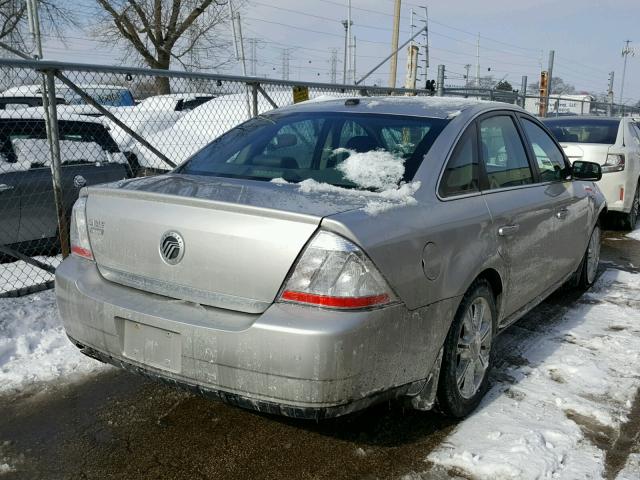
(437, 107)
(37, 113)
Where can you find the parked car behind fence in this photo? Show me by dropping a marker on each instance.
(28, 219)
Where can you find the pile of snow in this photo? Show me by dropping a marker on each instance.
(33, 345)
(580, 375)
(197, 128)
(378, 169)
(635, 235)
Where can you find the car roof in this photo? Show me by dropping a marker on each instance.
(36, 113)
(423, 106)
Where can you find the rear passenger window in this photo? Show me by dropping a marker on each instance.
(503, 154)
(548, 156)
(461, 174)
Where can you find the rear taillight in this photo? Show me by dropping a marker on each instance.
(614, 163)
(79, 237)
(334, 273)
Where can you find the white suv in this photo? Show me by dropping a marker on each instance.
(614, 143)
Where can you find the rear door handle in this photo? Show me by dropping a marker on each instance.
(507, 230)
(4, 187)
(562, 213)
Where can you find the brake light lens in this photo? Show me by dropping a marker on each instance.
(614, 163)
(79, 235)
(334, 273)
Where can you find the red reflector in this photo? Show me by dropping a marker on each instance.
(81, 252)
(621, 193)
(337, 302)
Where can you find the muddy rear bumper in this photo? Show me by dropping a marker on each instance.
(291, 360)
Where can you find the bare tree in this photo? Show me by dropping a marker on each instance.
(159, 31)
(54, 17)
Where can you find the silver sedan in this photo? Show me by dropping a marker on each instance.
(322, 257)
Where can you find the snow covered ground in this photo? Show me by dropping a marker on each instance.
(569, 386)
(635, 234)
(34, 347)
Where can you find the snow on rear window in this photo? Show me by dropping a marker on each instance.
(31, 151)
(378, 170)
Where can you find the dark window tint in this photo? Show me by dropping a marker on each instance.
(587, 130)
(548, 156)
(461, 174)
(297, 146)
(503, 154)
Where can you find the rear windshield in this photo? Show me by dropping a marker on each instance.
(584, 130)
(299, 146)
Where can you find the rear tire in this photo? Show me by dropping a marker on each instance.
(590, 261)
(467, 356)
(630, 220)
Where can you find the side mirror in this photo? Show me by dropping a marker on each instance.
(586, 171)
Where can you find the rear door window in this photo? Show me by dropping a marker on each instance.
(548, 156)
(461, 173)
(503, 154)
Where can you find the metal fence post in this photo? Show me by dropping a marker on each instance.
(440, 84)
(254, 99)
(53, 134)
(523, 89)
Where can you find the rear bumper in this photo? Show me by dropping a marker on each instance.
(611, 185)
(292, 360)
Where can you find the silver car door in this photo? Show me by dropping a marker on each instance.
(521, 212)
(570, 199)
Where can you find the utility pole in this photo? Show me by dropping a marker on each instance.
(286, 57)
(466, 77)
(253, 48)
(354, 60)
(394, 44)
(426, 46)
(610, 94)
(523, 89)
(349, 25)
(333, 62)
(412, 67)
(440, 83)
(626, 51)
(552, 54)
(347, 28)
(34, 27)
(478, 62)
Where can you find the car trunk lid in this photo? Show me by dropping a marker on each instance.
(588, 152)
(239, 240)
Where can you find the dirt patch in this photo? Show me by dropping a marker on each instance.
(602, 436)
(556, 377)
(628, 439)
(616, 328)
(513, 394)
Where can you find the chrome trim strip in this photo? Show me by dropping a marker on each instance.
(182, 292)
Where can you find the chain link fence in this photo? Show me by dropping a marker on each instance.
(65, 126)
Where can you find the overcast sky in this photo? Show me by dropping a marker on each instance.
(516, 36)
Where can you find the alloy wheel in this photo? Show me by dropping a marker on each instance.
(593, 255)
(474, 347)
